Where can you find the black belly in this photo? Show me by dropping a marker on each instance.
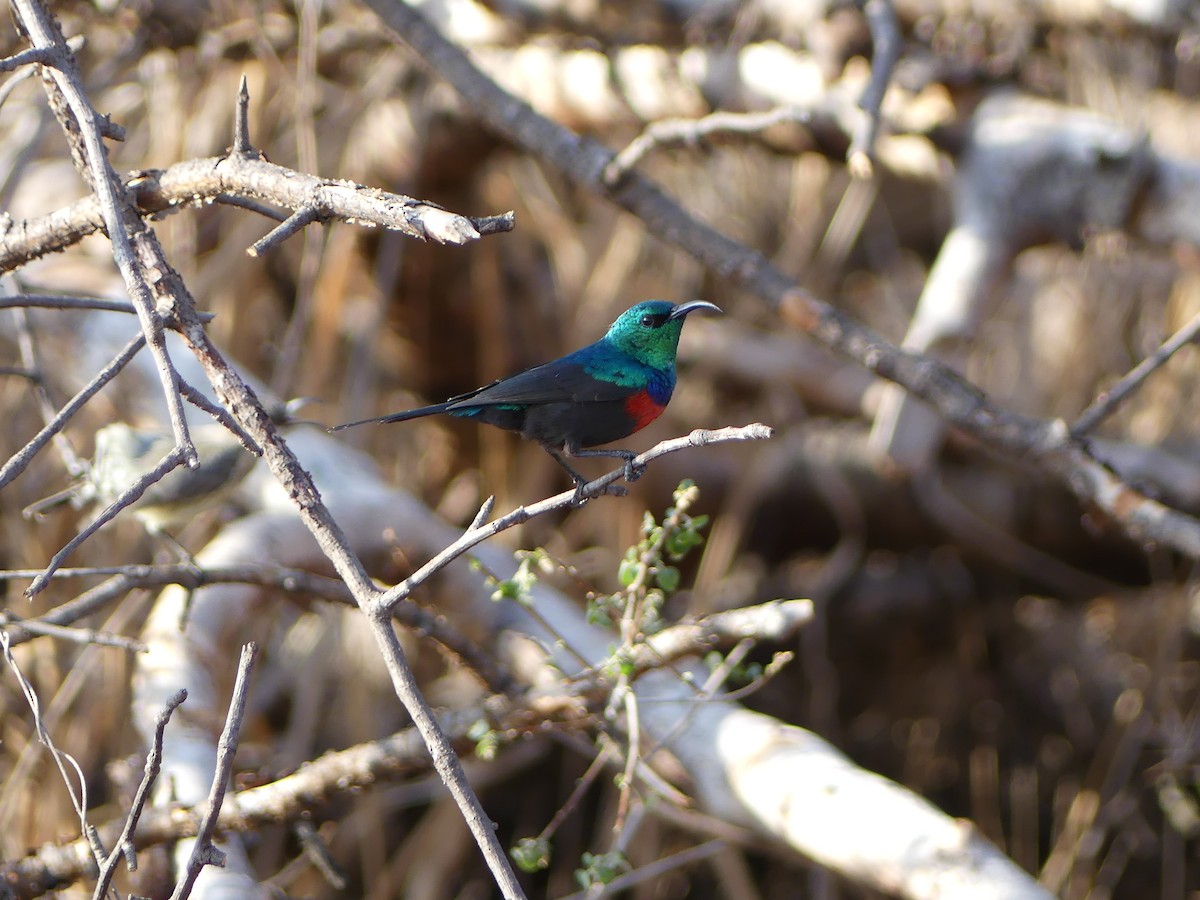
(558, 425)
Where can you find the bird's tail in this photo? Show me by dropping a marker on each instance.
(398, 417)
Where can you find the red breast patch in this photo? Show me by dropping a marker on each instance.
(642, 409)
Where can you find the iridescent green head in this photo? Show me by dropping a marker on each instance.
(649, 332)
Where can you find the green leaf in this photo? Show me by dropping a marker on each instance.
(531, 854)
(487, 741)
(506, 590)
(600, 868)
(667, 578)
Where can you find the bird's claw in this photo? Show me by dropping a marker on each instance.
(611, 490)
(633, 470)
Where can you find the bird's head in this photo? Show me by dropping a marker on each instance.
(649, 331)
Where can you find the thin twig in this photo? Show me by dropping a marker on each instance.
(75, 635)
(294, 223)
(124, 843)
(595, 767)
(1107, 402)
(688, 132)
(247, 203)
(712, 684)
(530, 609)
(485, 512)
(297, 581)
(885, 39)
(31, 358)
(658, 868)
(633, 728)
(204, 851)
(19, 460)
(130, 495)
(61, 758)
(522, 514)
(318, 854)
(60, 301)
(220, 414)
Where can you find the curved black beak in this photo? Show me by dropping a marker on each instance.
(694, 306)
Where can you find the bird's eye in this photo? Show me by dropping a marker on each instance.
(648, 321)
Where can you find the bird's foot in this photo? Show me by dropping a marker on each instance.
(633, 469)
(580, 498)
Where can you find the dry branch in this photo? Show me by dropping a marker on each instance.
(83, 127)
(200, 182)
(203, 851)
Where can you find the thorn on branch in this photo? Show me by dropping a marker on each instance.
(110, 129)
(241, 122)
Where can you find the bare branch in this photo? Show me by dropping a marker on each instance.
(296, 222)
(688, 132)
(171, 461)
(30, 57)
(522, 514)
(219, 414)
(193, 577)
(1108, 401)
(124, 843)
(16, 465)
(775, 620)
(30, 357)
(33, 627)
(58, 301)
(247, 181)
(885, 35)
(318, 854)
(204, 851)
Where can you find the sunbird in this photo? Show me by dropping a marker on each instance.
(599, 394)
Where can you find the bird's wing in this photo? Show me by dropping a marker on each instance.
(561, 381)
